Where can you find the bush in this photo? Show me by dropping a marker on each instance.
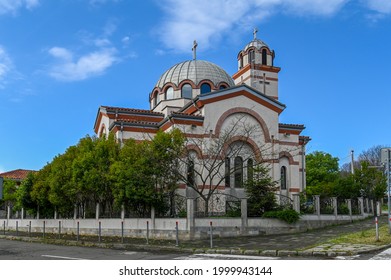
(288, 215)
(343, 209)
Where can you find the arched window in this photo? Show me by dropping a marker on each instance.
(157, 99)
(154, 98)
(251, 57)
(205, 88)
(238, 172)
(283, 178)
(223, 87)
(169, 93)
(241, 61)
(187, 91)
(227, 172)
(264, 57)
(250, 169)
(190, 173)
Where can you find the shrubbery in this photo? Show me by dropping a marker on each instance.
(287, 215)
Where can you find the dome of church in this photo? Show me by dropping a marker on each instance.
(195, 71)
(258, 44)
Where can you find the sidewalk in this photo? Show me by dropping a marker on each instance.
(311, 244)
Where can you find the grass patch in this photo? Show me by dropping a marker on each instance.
(365, 237)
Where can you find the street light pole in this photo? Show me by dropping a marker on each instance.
(385, 159)
(388, 189)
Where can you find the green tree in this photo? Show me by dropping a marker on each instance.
(91, 171)
(61, 182)
(23, 195)
(322, 173)
(261, 192)
(370, 181)
(346, 187)
(146, 170)
(40, 191)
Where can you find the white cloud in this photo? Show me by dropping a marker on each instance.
(89, 65)
(12, 6)
(101, 2)
(208, 20)
(313, 7)
(5, 66)
(380, 6)
(61, 53)
(101, 55)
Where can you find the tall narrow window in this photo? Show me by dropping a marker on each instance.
(238, 172)
(187, 91)
(283, 178)
(264, 57)
(157, 98)
(251, 57)
(205, 88)
(250, 169)
(240, 62)
(169, 93)
(190, 173)
(227, 172)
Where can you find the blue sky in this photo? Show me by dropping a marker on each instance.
(60, 60)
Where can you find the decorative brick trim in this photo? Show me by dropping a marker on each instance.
(250, 112)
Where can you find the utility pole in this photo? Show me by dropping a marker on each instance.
(352, 162)
(385, 159)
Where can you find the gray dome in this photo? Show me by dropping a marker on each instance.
(195, 71)
(258, 44)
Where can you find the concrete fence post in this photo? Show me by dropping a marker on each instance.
(317, 204)
(75, 212)
(361, 202)
(190, 221)
(349, 202)
(153, 215)
(372, 207)
(8, 212)
(335, 206)
(97, 211)
(368, 206)
(123, 212)
(296, 202)
(243, 210)
(22, 214)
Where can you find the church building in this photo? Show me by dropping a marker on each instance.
(204, 101)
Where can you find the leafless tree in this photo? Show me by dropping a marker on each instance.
(207, 163)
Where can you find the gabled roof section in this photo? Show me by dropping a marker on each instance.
(123, 110)
(17, 175)
(290, 128)
(127, 115)
(243, 90)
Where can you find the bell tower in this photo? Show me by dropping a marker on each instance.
(256, 67)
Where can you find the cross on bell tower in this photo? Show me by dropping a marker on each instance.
(256, 68)
(255, 31)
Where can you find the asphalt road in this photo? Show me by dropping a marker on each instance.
(17, 250)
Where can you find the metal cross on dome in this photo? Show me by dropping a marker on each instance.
(194, 49)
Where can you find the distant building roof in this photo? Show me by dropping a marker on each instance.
(18, 174)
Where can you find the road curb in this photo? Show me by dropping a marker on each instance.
(223, 251)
